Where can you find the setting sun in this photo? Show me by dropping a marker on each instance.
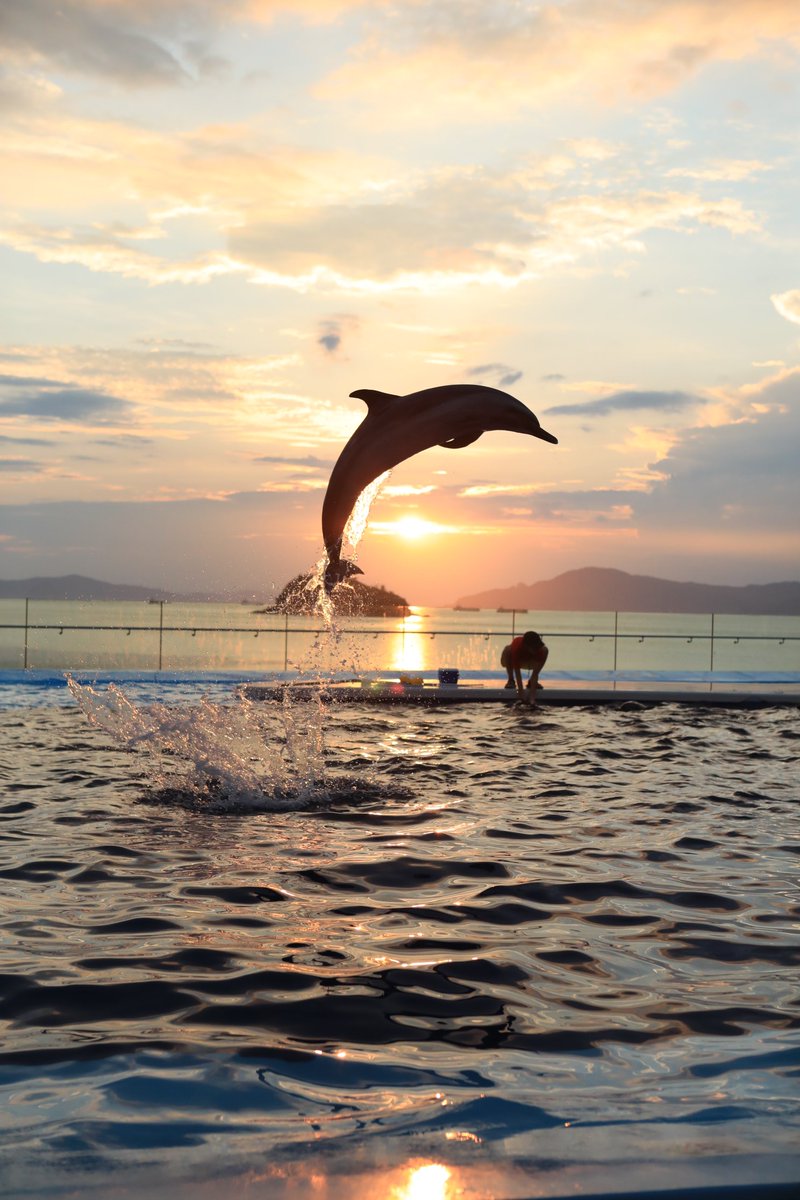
(410, 527)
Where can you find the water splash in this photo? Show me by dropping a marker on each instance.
(245, 755)
(241, 756)
(320, 598)
(357, 522)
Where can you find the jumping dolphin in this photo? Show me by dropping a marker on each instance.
(396, 428)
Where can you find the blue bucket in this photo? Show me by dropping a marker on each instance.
(448, 678)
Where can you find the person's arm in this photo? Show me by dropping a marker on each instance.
(541, 660)
(515, 667)
(525, 694)
(515, 670)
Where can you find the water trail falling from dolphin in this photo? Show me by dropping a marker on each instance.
(396, 428)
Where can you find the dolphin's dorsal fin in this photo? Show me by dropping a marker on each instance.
(456, 443)
(375, 401)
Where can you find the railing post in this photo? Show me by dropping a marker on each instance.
(25, 646)
(616, 628)
(160, 634)
(711, 663)
(285, 642)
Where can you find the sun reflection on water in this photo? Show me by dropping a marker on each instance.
(429, 1182)
(408, 647)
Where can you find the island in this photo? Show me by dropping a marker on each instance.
(354, 599)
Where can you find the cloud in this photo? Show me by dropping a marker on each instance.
(94, 39)
(225, 200)
(20, 466)
(315, 11)
(500, 489)
(333, 329)
(788, 305)
(467, 60)
(502, 508)
(310, 460)
(216, 178)
(464, 226)
(167, 410)
(628, 401)
(293, 487)
(723, 499)
(67, 404)
(463, 59)
(731, 170)
(25, 441)
(501, 374)
(28, 381)
(450, 225)
(736, 478)
(108, 251)
(212, 175)
(138, 43)
(394, 491)
(22, 92)
(124, 441)
(330, 341)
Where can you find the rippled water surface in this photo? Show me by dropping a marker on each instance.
(541, 952)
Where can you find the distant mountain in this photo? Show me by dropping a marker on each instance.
(601, 589)
(77, 587)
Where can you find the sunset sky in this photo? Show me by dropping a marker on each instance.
(219, 219)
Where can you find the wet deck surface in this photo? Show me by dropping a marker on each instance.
(398, 693)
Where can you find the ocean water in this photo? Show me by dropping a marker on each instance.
(270, 951)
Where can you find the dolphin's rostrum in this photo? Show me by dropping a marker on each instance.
(397, 427)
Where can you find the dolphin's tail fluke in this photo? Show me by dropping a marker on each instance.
(337, 571)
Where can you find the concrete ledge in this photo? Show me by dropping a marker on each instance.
(398, 693)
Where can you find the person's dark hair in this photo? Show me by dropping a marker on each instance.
(532, 640)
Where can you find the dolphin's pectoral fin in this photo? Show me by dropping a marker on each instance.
(375, 401)
(457, 442)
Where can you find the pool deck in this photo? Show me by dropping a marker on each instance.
(394, 692)
(19, 688)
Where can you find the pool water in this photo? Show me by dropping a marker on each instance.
(420, 954)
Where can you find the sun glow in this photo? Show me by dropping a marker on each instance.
(410, 527)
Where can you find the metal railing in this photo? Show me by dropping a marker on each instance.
(283, 627)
